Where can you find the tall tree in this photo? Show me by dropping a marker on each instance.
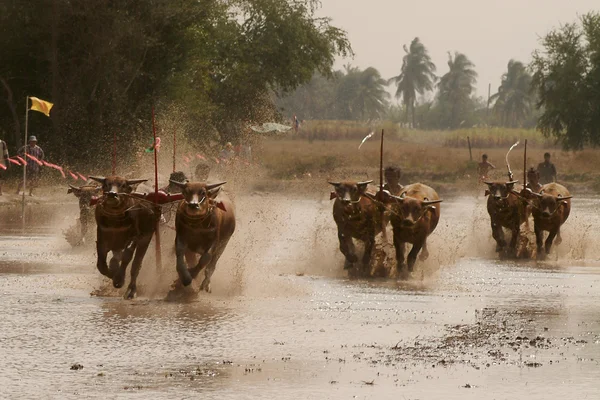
(361, 94)
(455, 89)
(417, 75)
(514, 100)
(104, 63)
(567, 80)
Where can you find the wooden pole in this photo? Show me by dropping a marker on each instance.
(525, 165)
(157, 207)
(25, 165)
(114, 159)
(487, 112)
(383, 232)
(174, 147)
(470, 153)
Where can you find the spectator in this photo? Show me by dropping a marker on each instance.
(33, 168)
(4, 163)
(484, 167)
(547, 170)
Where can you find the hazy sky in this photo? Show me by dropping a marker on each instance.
(489, 32)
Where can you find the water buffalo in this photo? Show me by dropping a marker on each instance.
(414, 215)
(506, 211)
(125, 227)
(550, 208)
(204, 225)
(356, 216)
(85, 194)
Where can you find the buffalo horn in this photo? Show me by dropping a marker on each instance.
(180, 184)
(214, 185)
(135, 181)
(99, 179)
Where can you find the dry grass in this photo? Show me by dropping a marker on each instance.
(484, 137)
(434, 163)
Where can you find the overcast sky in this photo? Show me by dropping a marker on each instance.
(489, 32)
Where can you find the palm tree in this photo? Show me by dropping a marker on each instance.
(416, 76)
(513, 102)
(455, 88)
(361, 94)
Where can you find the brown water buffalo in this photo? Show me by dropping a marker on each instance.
(204, 225)
(125, 227)
(550, 208)
(85, 194)
(414, 215)
(506, 211)
(356, 216)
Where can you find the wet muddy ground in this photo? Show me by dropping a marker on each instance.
(284, 321)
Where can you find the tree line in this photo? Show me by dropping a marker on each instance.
(208, 66)
(558, 92)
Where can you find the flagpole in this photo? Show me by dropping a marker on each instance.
(114, 160)
(157, 230)
(25, 165)
(174, 147)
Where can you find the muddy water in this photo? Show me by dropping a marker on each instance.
(284, 322)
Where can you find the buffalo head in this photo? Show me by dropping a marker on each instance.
(112, 186)
(349, 192)
(409, 209)
(199, 197)
(548, 204)
(498, 191)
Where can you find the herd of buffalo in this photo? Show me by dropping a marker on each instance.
(205, 221)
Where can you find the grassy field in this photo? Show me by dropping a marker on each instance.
(485, 137)
(434, 162)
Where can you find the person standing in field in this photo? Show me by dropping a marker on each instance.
(547, 170)
(533, 180)
(392, 180)
(4, 163)
(33, 168)
(484, 167)
(296, 124)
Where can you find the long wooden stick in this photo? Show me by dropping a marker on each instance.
(114, 159)
(525, 165)
(383, 232)
(157, 230)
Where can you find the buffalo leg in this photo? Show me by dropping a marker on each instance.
(399, 247)
(498, 235)
(369, 244)
(102, 253)
(347, 248)
(140, 252)
(558, 238)
(412, 256)
(125, 258)
(182, 268)
(515, 231)
(539, 240)
(190, 258)
(549, 240)
(210, 269)
(424, 252)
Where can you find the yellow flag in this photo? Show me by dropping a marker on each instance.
(40, 105)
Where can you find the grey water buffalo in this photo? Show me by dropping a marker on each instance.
(356, 217)
(125, 227)
(203, 224)
(85, 194)
(550, 208)
(414, 215)
(506, 210)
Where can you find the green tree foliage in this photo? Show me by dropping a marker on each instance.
(361, 94)
(455, 89)
(352, 94)
(514, 100)
(417, 75)
(105, 63)
(566, 75)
